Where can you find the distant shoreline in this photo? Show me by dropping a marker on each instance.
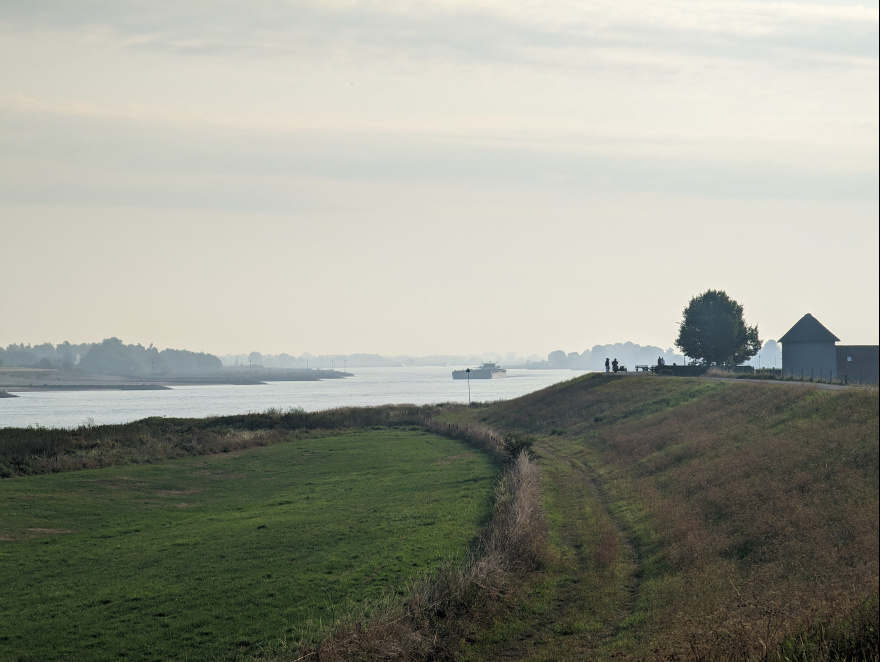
(28, 379)
(86, 387)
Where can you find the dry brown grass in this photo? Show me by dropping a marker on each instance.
(768, 521)
(761, 504)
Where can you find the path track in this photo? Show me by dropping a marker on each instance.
(583, 603)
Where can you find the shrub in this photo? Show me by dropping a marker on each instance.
(516, 444)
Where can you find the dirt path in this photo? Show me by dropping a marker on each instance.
(580, 604)
(584, 486)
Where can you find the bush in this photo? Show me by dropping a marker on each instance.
(516, 444)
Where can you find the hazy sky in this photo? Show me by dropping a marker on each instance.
(433, 177)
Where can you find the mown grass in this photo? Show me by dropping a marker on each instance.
(438, 613)
(222, 556)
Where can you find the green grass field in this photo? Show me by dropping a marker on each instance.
(215, 557)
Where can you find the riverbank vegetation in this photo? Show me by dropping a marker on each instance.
(38, 450)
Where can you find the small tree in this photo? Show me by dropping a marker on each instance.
(714, 331)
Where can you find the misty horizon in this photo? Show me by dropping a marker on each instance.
(68, 356)
(435, 177)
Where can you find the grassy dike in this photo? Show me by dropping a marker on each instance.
(681, 519)
(694, 519)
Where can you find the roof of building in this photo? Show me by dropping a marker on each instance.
(808, 329)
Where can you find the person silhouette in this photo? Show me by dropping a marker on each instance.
(607, 365)
(614, 365)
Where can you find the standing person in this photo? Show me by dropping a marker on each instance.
(607, 365)
(614, 365)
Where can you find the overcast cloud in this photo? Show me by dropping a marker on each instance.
(572, 140)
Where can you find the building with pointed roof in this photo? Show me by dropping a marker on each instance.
(808, 348)
(809, 351)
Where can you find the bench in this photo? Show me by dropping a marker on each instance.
(645, 368)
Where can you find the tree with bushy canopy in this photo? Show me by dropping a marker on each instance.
(713, 330)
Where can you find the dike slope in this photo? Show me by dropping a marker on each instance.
(697, 519)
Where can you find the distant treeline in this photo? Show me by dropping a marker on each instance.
(627, 353)
(631, 355)
(110, 357)
(325, 362)
(347, 361)
(113, 357)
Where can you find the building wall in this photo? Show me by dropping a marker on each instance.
(858, 363)
(820, 358)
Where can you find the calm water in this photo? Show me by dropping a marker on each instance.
(368, 387)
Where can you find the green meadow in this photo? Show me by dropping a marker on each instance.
(220, 556)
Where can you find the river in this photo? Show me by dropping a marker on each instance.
(368, 387)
